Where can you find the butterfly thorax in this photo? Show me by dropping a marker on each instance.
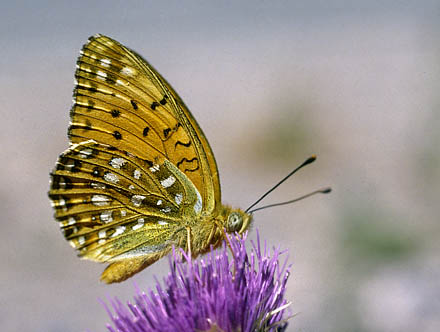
(210, 230)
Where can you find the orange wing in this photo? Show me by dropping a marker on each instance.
(122, 101)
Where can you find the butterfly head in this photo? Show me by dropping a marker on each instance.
(236, 220)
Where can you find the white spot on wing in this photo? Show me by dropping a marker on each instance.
(159, 202)
(62, 182)
(111, 177)
(178, 198)
(102, 234)
(139, 224)
(100, 200)
(168, 182)
(154, 168)
(97, 185)
(106, 216)
(127, 71)
(62, 204)
(102, 75)
(105, 62)
(161, 222)
(117, 162)
(81, 240)
(71, 221)
(85, 153)
(70, 164)
(119, 231)
(123, 213)
(199, 204)
(166, 210)
(137, 174)
(137, 200)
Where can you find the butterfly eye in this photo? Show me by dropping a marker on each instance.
(234, 222)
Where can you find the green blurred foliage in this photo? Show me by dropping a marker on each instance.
(372, 238)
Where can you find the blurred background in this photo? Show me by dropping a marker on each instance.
(270, 82)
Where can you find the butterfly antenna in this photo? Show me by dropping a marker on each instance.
(320, 191)
(309, 160)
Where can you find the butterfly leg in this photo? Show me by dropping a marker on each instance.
(188, 241)
(225, 235)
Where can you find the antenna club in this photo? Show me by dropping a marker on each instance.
(326, 190)
(310, 160)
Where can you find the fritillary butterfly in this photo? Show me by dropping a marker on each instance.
(139, 176)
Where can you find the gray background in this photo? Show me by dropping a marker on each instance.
(271, 82)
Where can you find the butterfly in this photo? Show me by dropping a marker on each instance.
(139, 176)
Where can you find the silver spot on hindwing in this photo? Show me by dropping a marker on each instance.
(105, 62)
(166, 210)
(137, 200)
(168, 182)
(199, 204)
(117, 162)
(127, 71)
(100, 200)
(139, 224)
(119, 230)
(85, 153)
(137, 174)
(154, 168)
(101, 75)
(81, 240)
(111, 177)
(106, 216)
(178, 198)
(97, 185)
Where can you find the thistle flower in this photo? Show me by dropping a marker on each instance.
(215, 293)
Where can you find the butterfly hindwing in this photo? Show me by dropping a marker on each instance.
(112, 205)
(122, 101)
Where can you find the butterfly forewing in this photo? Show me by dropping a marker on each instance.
(120, 100)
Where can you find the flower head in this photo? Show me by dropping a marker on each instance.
(215, 293)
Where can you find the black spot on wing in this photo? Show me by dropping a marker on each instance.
(90, 105)
(117, 134)
(181, 143)
(88, 125)
(154, 104)
(134, 104)
(189, 162)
